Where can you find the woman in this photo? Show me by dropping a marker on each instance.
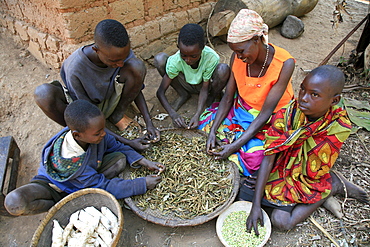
(259, 85)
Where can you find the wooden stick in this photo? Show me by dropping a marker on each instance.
(324, 231)
(342, 42)
(207, 27)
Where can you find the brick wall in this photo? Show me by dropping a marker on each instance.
(52, 29)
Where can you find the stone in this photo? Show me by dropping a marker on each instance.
(155, 8)
(172, 49)
(151, 50)
(52, 43)
(152, 30)
(181, 18)
(3, 21)
(292, 27)
(273, 12)
(82, 24)
(137, 36)
(205, 10)
(167, 24)
(21, 30)
(35, 35)
(52, 59)
(219, 22)
(126, 11)
(34, 49)
(10, 24)
(194, 15)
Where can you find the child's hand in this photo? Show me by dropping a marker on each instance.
(153, 134)
(139, 144)
(152, 166)
(152, 181)
(178, 121)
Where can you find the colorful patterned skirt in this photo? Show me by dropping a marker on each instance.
(249, 157)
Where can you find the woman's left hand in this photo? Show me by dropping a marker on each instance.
(226, 151)
(194, 122)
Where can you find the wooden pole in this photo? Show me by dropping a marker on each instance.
(342, 42)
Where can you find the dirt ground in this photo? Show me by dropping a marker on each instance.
(20, 73)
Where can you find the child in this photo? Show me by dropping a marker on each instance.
(194, 68)
(302, 144)
(106, 73)
(80, 156)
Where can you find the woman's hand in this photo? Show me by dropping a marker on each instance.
(194, 122)
(249, 182)
(226, 151)
(211, 142)
(254, 217)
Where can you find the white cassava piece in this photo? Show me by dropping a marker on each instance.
(86, 227)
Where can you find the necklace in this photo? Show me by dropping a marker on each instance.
(263, 66)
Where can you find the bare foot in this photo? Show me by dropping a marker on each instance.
(125, 122)
(353, 191)
(333, 206)
(180, 101)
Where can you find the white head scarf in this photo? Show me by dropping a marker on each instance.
(247, 24)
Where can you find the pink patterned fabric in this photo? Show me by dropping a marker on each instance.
(246, 24)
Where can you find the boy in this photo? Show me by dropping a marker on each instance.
(80, 156)
(302, 144)
(105, 73)
(194, 68)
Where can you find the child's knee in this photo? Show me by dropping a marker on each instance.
(223, 71)
(133, 67)
(120, 165)
(115, 168)
(160, 61)
(15, 203)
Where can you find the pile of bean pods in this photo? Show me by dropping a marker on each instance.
(234, 231)
(193, 183)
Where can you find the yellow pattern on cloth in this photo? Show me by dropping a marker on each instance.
(306, 151)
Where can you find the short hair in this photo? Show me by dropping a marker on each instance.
(111, 33)
(191, 34)
(78, 114)
(333, 75)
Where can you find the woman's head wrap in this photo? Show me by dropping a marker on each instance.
(246, 25)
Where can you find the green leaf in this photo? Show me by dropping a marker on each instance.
(360, 118)
(357, 104)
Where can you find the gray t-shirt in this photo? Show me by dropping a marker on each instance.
(85, 80)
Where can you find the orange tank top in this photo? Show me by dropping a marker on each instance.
(254, 90)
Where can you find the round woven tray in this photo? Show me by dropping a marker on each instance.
(72, 203)
(157, 217)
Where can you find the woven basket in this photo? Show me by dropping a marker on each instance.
(72, 203)
(156, 216)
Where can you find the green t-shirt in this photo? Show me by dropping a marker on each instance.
(208, 62)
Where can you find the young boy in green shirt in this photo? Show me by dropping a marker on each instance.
(193, 69)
